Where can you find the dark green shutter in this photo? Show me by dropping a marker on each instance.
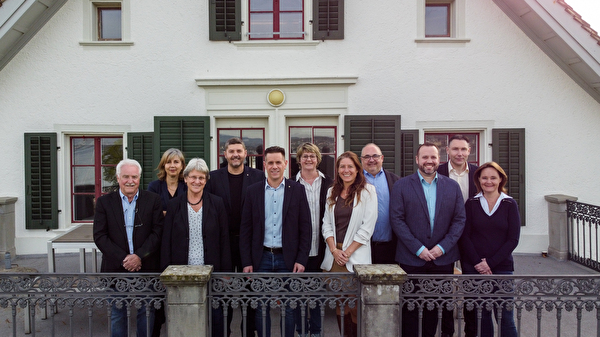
(508, 150)
(328, 19)
(410, 143)
(384, 131)
(225, 23)
(189, 134)
(41, 197)
(139, 147)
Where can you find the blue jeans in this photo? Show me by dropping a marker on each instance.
(507, 326)
(273, 263)
(118, 321)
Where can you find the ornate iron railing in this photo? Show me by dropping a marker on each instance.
(80, 295)
(582, 221)
(301, 292)
(540, 304)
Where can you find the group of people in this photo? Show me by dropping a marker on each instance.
(312, 223)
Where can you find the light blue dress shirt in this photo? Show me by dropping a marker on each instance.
(129, 210)
(430, 190)
(273, 215)
(383, 230)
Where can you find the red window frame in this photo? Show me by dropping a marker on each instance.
(97, 166)
(276, 21)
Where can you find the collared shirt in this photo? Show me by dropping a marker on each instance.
(461, 178)
(430, 190)
(383, 229)
(484, 203)
(273, 215)
(313, 195)
(129, 210)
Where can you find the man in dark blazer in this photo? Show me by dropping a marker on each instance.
(458, 167)
(127, 229)
(383, 242)
(230, 183)
(275, 232)
(427, 215)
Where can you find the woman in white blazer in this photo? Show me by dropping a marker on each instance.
(348, 223)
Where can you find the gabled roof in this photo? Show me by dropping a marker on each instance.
(563, 35)
(551, 24)
(20, 20)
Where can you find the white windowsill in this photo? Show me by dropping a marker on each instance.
(442, 40)
(271, 43)
(106, 43)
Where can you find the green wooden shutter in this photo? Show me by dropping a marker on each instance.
(328, 19)
(189, 134)
(139, 147)
(225, 23)
(41, 197)
(381, 130)
(410, 143)
(508, 150)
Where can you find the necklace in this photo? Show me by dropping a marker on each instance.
(199, 201)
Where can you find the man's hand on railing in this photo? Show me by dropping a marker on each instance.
(298, 268)
(248, 269)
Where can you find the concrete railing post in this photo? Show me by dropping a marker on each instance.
(187, 310)
(380, 298)
(7, 226)
(557, 225)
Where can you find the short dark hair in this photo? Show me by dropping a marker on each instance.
(458, 137)
(274, 149)
(233, 141)
(428, 144)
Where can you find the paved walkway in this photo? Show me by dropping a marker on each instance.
(69, 263)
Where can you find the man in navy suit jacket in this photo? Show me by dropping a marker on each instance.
(276, 229)
(427, 215)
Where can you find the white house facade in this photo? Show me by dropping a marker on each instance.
(521, 78)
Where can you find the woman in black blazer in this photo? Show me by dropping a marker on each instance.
(196, 230)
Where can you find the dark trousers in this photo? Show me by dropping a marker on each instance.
(410, 318)
(236, 259)
(383, 252)
(312, 324)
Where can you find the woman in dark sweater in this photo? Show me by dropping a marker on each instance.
(491, 234)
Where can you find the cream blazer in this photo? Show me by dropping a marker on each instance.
(360, 228)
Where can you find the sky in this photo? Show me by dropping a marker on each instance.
(589, 11)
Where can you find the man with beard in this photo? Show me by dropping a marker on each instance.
(427, 215)
(230, 183)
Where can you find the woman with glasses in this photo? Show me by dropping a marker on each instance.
(196, 230)
(348, 223)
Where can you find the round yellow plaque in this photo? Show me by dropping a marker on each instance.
(276, 97)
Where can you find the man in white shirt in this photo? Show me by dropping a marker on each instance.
(458, 167)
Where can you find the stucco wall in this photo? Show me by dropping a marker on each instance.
(500, 78)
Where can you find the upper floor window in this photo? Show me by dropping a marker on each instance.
(109, 23)
(276, 19)
(286, 20)
(93, 172)
(437, 20)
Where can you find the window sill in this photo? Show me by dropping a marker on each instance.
(442, 40)
(106, 43)
(278, 43)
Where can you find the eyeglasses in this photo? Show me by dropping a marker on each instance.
(308, 156)
(192, 178)
(136, 219)
(374, 157)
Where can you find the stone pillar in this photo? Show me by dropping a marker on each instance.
(187, 310)
(380, 298)
(7, 227)
(557, 225)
